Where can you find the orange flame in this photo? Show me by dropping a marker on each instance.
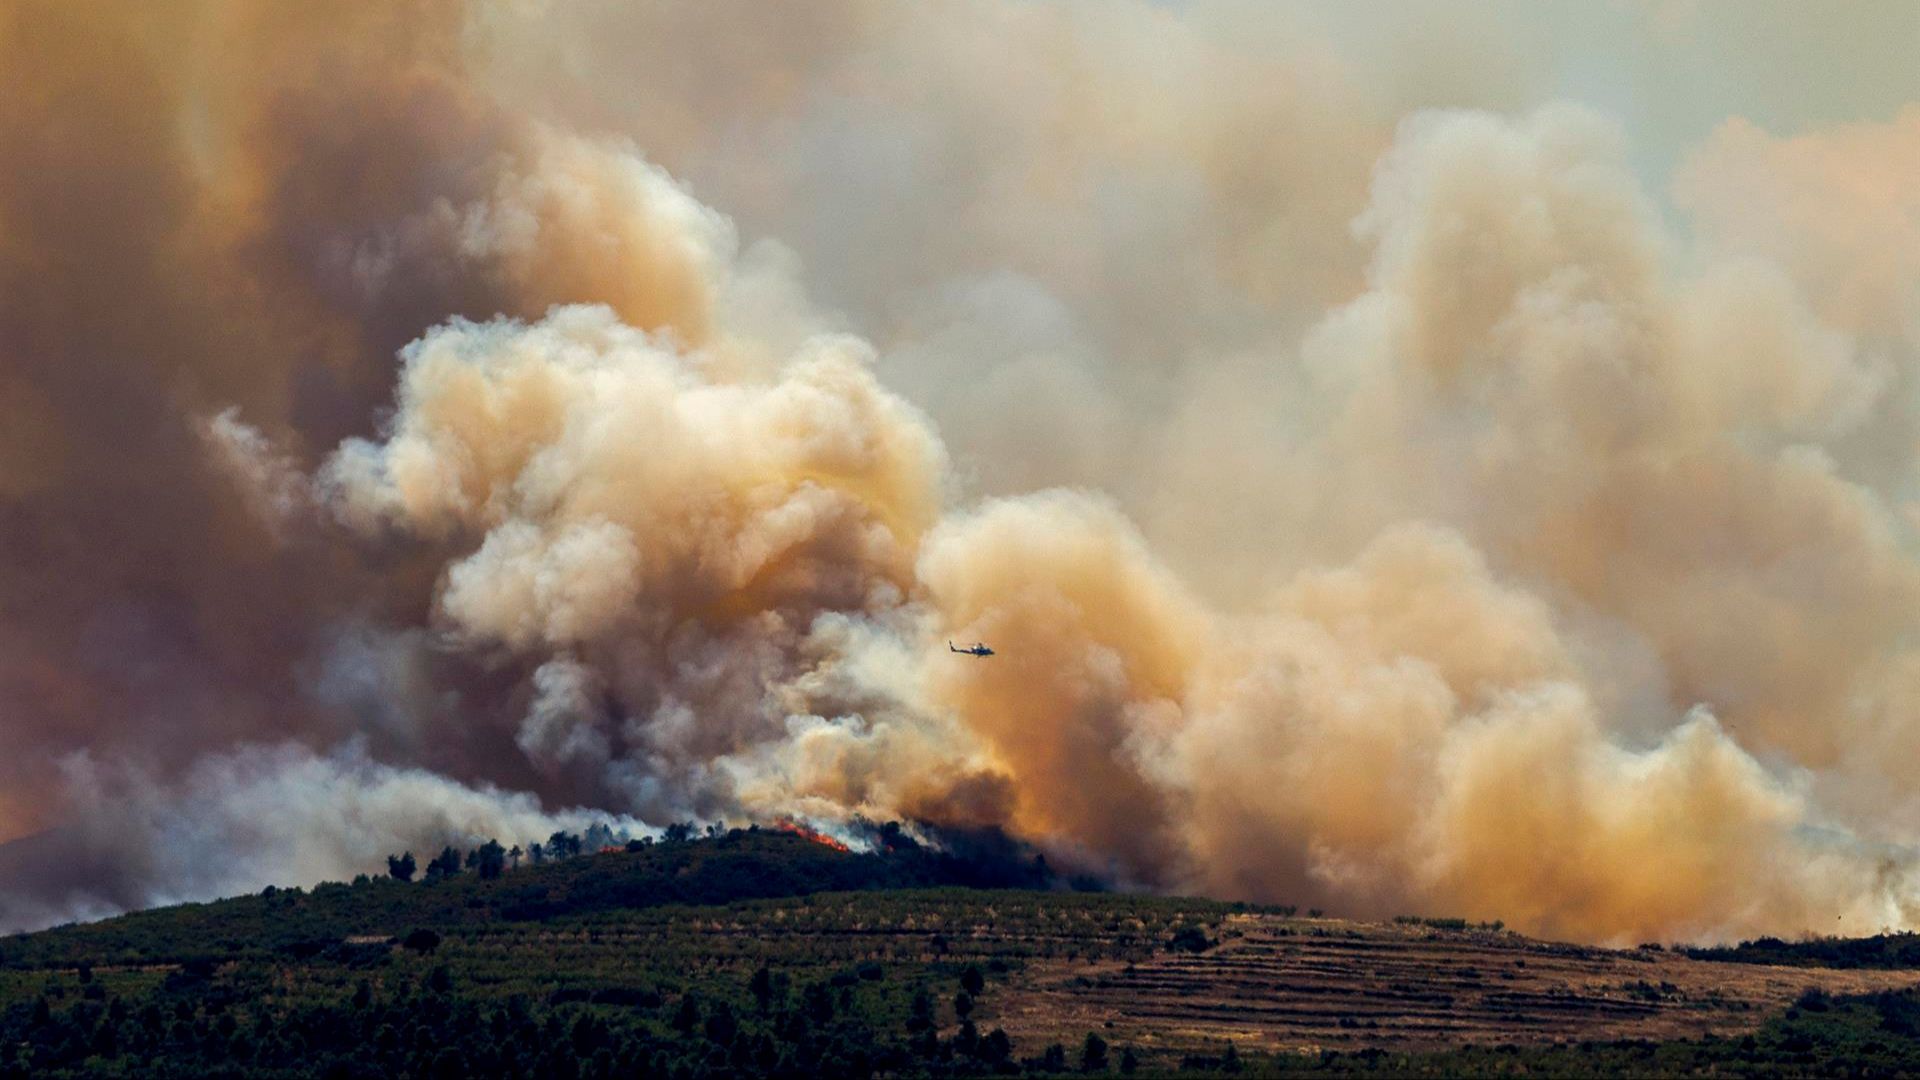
(788, 825)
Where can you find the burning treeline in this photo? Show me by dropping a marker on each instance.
(1537, 572)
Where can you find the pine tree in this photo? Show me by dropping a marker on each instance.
(688, 1018)
(920, 1012)
(761, 987)
(401, 868)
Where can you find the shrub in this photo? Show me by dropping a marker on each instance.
(1189, 939)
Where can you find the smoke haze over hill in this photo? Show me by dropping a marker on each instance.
(1399, 471)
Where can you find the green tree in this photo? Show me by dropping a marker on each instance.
(920, 1012)
(996, 1049)
(765, 1053)
(106, 1041)
(688, 1016)
(817, 1002)
(1093, 1053)
(489, 860)
(721, 1026)
(449, 1064)
(444, 865)
(401, 867)
(1189, 939)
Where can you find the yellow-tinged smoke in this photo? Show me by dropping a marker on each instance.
(1509, 556)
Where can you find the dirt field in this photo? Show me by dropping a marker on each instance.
(1307, 984)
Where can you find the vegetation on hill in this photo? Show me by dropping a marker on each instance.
(711, 957)
(1864, 1035)
(717, 869)
(1890, 951)
(744, 953)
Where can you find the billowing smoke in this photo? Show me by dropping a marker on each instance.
(1373, 504)
(256, 814)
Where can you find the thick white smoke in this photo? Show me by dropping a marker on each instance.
(726, 580)
(1374, 506)
(258, 816)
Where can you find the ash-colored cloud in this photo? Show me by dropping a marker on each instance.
(1378, 496)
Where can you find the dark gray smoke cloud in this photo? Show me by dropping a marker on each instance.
(230, 209)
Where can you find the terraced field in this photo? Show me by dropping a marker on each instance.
(1283, 984)
(639, 963)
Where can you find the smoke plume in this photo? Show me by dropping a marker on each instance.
(1380, 492)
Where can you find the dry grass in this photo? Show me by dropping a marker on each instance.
(1278, 984)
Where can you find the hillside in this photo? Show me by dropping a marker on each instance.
(293, 922)
(761, 952)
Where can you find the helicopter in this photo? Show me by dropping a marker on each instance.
(976, 649)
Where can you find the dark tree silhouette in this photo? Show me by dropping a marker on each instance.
(444, 865)
(920, 1012)
(688, 1016)
(818, 1003)
(761, 986)
(1093, 1054)
(721, 1026)
(996, 1048)
(489, 859)
(401, 868)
